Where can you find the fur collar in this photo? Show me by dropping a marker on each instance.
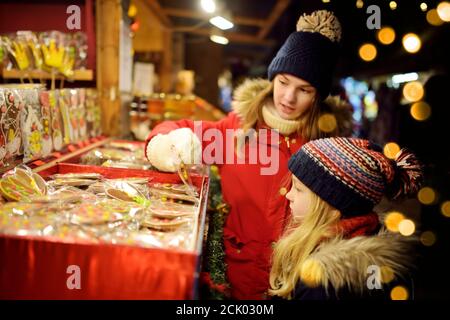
(344, 262)
(247, 91)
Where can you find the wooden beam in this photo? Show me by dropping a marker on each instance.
(232, 36)
(108, 16)
(277, 11)
(155, 7)
(191, 14)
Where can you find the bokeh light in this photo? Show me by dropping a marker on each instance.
(392, 220)
(426, 195)
(443, 10)
(132, 11)
(445, 208)
(399, 293)
(393, 5)
(428, 238)
(391, 149)
(420, 111)
(433, 18)
(413, 91)
(423, 6)
(387, 274)
(386, 35)
(367, 52)
(359, 4)
(406, 227)
(327, 122)
(411, 43)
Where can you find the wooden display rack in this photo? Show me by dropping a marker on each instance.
(79, 75)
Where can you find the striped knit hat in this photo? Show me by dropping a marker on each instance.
(352, 175)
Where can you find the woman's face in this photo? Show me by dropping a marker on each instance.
(292, 96)
(300, 199)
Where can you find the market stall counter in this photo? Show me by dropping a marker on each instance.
(77, 231)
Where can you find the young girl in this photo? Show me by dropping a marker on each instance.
(334, 242)
(291, 103)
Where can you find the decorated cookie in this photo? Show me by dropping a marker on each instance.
(164, 224)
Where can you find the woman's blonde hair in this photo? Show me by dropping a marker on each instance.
(298, 242)
(308, 128)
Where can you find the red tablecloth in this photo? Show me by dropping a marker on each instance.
(38, 269)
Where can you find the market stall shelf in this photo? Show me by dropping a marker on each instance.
(47, 267)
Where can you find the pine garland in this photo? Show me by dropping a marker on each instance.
(214, 267)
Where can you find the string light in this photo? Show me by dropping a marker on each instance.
(392, 220)
(399, 293)
(411, 43)
(413, 91)
(367, 52)
(428, 238)
(420, 111)
(433, 18)
(406, 227)
(423, 6)
(443, 10)
(445, 209)
(426, 195)
(387, 274)
(391, 149)
(386, 35)
(327, 122)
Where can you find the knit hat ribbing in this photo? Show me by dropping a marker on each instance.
(352, 175)
(311, 52)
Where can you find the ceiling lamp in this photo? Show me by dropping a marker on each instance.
(208, 5)
(217, 36)
(222, 21)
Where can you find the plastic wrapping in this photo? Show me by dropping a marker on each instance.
(118, 211)
(116, 158)
(11, 105)
(31, 124)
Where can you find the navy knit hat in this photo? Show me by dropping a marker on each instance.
(352, 175)
(311, 52)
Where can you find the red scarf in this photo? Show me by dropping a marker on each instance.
(363, 225)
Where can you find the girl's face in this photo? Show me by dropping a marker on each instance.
(300, 199)
(292, 96)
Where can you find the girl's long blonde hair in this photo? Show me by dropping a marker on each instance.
(298, 242)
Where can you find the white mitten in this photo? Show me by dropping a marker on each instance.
(165, 151)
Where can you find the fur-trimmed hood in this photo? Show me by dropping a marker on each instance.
(245, 93)
(345, 262)
(249, 89)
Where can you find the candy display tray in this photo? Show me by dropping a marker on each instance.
(45, 268)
